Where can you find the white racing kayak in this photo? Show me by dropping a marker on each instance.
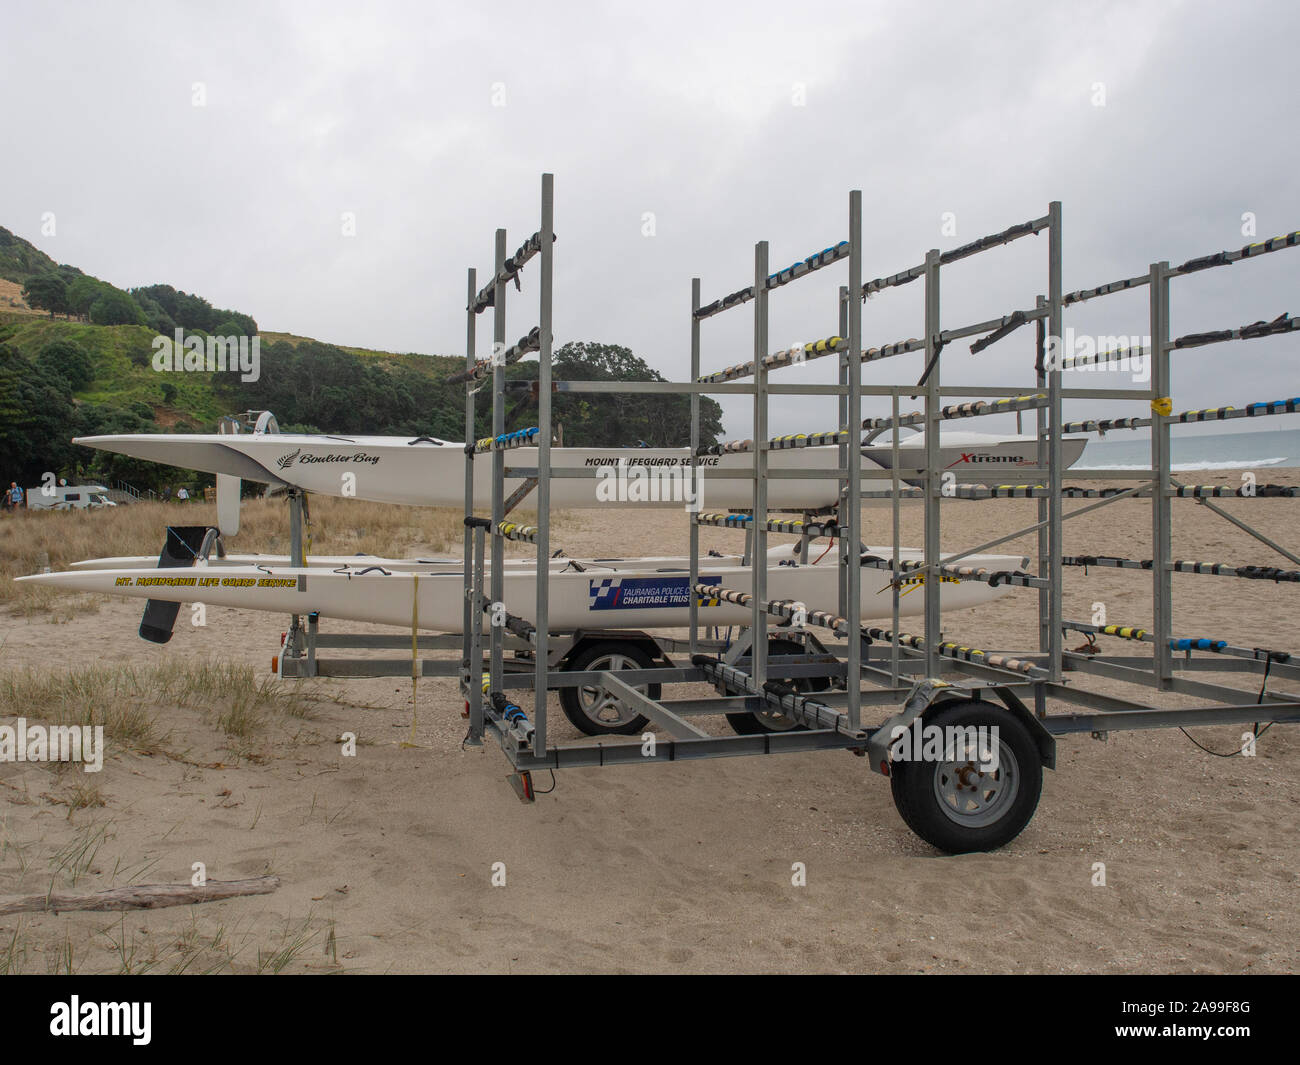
(584, 593)
(975, 458)
(429, 472)
(315, 561)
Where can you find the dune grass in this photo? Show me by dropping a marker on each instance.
(119, 699)
(33, 540)
(202, 945)
(131, 702)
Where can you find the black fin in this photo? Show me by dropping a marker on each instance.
(184, 544)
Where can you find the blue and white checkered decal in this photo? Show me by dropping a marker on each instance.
(641, 593)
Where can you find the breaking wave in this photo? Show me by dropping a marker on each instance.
(1183, 467)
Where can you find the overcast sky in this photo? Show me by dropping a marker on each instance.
(1157, 124)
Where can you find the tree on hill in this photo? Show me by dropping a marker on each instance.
(39, 418)
(617, 420)
(73, 363)
(193, 313)
(36, 410)
(321, 384)
(47, 292)
(82, 293)
(156, 315)
(85, 291)
(115, 307)
(235, 324)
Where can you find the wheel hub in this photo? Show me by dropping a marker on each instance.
(974, 797)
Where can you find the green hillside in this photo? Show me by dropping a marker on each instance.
(86, 367)
(20, 259)
(123, 374)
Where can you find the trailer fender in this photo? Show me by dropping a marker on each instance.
(923, 695)
(1045, 740)
(932, 692)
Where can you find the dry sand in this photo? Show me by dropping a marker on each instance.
(386, 858)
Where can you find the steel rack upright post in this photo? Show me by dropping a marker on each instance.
(505, 270)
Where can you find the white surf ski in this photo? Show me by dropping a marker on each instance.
(590, 593)
(429, 472)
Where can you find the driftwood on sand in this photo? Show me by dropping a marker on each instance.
(140, 897)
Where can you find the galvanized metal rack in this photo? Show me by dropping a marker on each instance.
(916, 675)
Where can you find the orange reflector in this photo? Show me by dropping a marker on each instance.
(275, 664)
(884, 769)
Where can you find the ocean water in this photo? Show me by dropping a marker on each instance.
(1124, 449)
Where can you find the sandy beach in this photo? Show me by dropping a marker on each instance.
(387, 858)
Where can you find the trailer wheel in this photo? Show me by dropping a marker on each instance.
(752, 723)
(590, 707)
(955, 804)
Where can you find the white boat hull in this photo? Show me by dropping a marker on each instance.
(385, 469)
(424, 472)
(973, 458)
(641, 593)
(318, 561)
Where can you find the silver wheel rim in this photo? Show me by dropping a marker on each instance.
(596, 704)
(972, 797)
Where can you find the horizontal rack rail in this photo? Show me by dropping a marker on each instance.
(511, 355)
(790, 609)
(1006, 236)
(1187, 417)
(504, 442)
(793, 526)
(486, 296)
(975, 409)
(803, 268)
(1191, 266)
(1039, 491)
(1217, 569)
(510, 530)
(1284, 323)
(797, 354)
(1180, 643)
(1014, 578)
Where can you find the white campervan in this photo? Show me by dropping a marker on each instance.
(68, 497)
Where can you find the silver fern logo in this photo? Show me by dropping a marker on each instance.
(285, 461)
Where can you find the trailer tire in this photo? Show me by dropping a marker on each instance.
(747, 723)
(586, 707)
(952, 804)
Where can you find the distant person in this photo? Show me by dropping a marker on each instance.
(167, 493)
(14, 495)
(182, 494)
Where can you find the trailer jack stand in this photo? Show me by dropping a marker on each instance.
(522, 782)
